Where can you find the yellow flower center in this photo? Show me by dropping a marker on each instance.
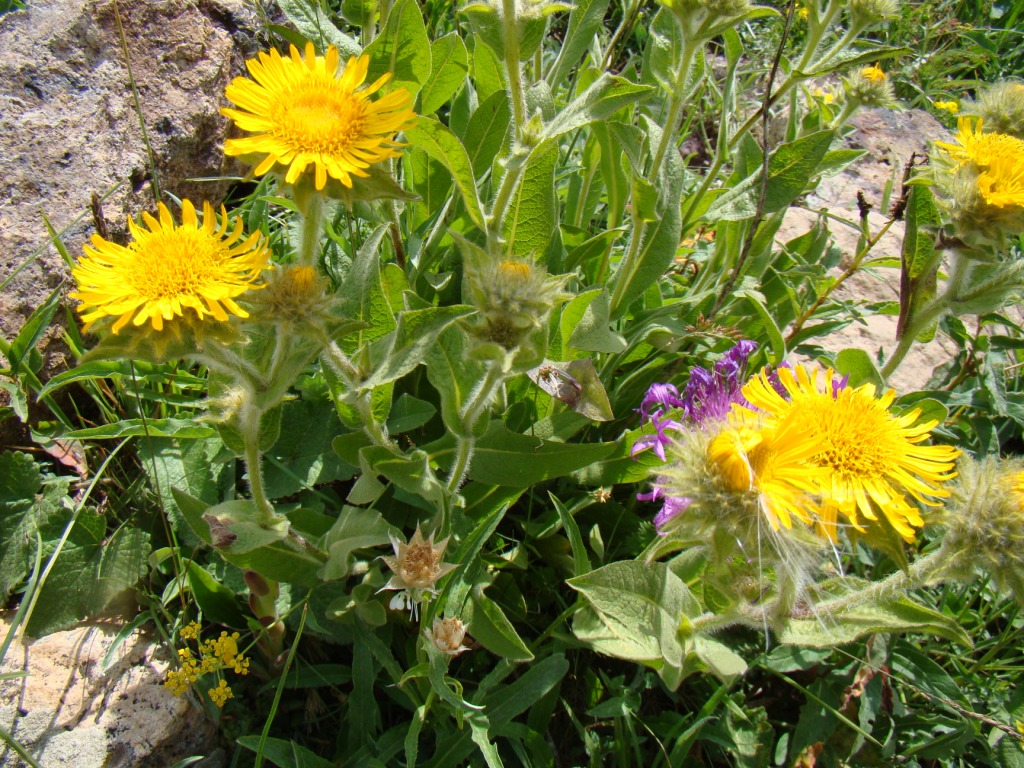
(324, 118)
(173, 262)
(515, 270)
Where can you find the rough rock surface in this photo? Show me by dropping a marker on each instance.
(889, 138)
(78, 709)
(69, 127)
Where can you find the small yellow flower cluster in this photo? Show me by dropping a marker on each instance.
(215, 656)
(949, 106)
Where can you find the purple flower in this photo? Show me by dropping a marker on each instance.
(659, 439)
(710, 394)
(659, 399)
(672, 508)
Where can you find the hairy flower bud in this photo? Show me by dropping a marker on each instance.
(869, 87)
(864, 13)
(985, 523)
(1001, 107)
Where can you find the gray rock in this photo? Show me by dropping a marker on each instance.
(76, 707)
(69, 127)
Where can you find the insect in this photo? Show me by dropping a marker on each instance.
(557, 383)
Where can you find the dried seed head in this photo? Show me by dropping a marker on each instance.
(447, 635)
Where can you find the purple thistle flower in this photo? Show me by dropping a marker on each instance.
(659, 399)
(672, 508)
(710, 394)
(659, 439)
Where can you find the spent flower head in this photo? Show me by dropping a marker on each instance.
(447, 636)
(304, 112)
(864, 13)
(193, 271)
(416, 565)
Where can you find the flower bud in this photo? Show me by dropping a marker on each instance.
(513, 297)
(869, 87)
(985, 523)
(864, 13)
(1001, 107)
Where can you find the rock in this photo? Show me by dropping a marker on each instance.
(889, 138)
(70, 711)
(69, 126)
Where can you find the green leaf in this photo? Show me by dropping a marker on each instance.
(449, 62)
(790, 169)
(488, 624)
(453, 375)
(531, 217)
(32, 331)
(581, 563)
(858, 365)
(308, 17)
(771, 329)
(355, 528)
(487, 130)
(89, 573)
(922, 218)
(363, 290)
(179, 428)
(402, 48)
(660, 238)
(503, 457)
(438, 141)
(585, 322)
(217, 602)
(605, 96)
(409, 413)
(637, 612)
(279, 560)
(412, 341)
(285, 754)
(900, 614)
(585, 21)
(437, 667)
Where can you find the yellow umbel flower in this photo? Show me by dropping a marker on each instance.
(775, 463)
(167, 269)
(304, 112)
(873, 73)
(948, 106)
(998, 158)
(874, 458)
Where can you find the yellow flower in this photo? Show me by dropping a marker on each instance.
(874, 458)
(773, 462)
(949, 106)
(167, 269)
(221, 693)
(873, 73)
(303, 112)
(998, 158)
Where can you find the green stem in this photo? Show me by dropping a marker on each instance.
(463, 456)
(513, 68)
(311, 204)
(249, 416)
(513, 171)
(630, 263)
(482, 396)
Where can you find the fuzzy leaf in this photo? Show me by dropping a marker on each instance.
(438, 141)
(491, 627)
(449, 62)
(412, 341)
(402, 48)
(314, 25)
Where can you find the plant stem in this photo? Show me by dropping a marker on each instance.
(249, 416)
(668, 135)
(311, 205)
(515, 73)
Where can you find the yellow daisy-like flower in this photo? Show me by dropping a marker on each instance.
(775, 462)
(998, 157)
(169, 268)
(303, 112)
(873, 73)
(875, 459)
